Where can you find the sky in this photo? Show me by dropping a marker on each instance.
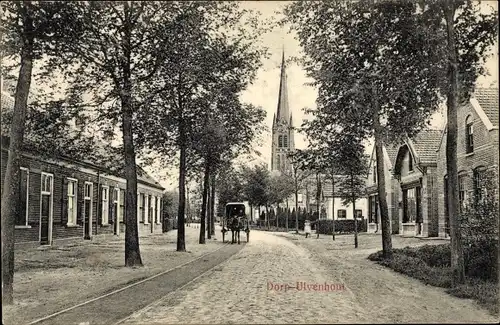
(264, 90)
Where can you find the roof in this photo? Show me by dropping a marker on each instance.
(426, 143)
(392, 152)
(488, 100)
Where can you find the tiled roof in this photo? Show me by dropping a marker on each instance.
(426, 144)
(392, 152)
(488, 99)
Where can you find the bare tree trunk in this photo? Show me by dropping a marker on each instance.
(204, 204)
(267, 217)
(379, 153)
(132, 252)
(333, 206)
(287, 215)
(296, 208)
(212, 207)
(354, 213)
(209, 210)
(181, 243)
(277, 217)
(11, 191)
(457, 258)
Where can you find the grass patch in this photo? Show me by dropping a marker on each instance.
(431, 265)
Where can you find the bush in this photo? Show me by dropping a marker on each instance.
(341, 226)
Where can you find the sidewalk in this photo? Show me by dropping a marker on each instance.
(49, 279)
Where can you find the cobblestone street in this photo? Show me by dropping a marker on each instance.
(240, 290)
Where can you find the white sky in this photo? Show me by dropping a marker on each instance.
(264, 91)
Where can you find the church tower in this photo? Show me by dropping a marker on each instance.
(282, 130)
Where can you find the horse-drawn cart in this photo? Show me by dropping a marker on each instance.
(235, 220)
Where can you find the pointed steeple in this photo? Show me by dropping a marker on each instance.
(283, 112)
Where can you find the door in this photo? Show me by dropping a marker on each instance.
(115, 217)
(44, 220)
(87, 208)
(46, 209)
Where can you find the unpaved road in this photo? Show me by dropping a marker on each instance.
(240, 290)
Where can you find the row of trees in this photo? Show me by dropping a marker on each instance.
(163, 75)
(383, 67)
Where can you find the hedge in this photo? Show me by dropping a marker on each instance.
(341, 226)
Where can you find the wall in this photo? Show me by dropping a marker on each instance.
(485, 154)
(361, 204)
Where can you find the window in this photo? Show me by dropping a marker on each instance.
(341, 214)
(280, 141)
(88, 190)
(278, 161)
(121, 198)
(105, 205)
(46, 185)
(479, 186)
(359, 213)
(469, 135)
(409, 205)
(142, 200)
(373, 209)
(410, 162)
(299, 198)
(374, 174)
(22, 216)
(462, 192)
(72, 201)
(285, 141)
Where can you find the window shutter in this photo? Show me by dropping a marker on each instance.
(79, 205)
(111, 204)
(99, 206)
(64, 201)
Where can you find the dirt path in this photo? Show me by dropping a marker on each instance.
(390, 297)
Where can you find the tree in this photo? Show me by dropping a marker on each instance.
(28, 30)
(299, 175)
(466, 35)
(350, 150)
(114, 55)
(209, 48)
(280, 188)
(371, 79)
(256, 186)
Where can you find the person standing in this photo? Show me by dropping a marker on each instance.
(307, 228)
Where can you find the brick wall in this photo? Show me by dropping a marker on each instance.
(485, 154)
(60, 173)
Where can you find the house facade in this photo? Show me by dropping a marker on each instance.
(335, 207)
(477, 151)
(391, 189)
(62, 199)
(415, 169)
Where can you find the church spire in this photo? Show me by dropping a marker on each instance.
(283, 113)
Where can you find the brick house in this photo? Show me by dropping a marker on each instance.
(62, 198)
(477, 150)
(415, 169)
(391, 189)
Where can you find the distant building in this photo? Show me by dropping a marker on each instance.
(283, 141)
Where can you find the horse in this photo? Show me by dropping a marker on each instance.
(235, 229)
